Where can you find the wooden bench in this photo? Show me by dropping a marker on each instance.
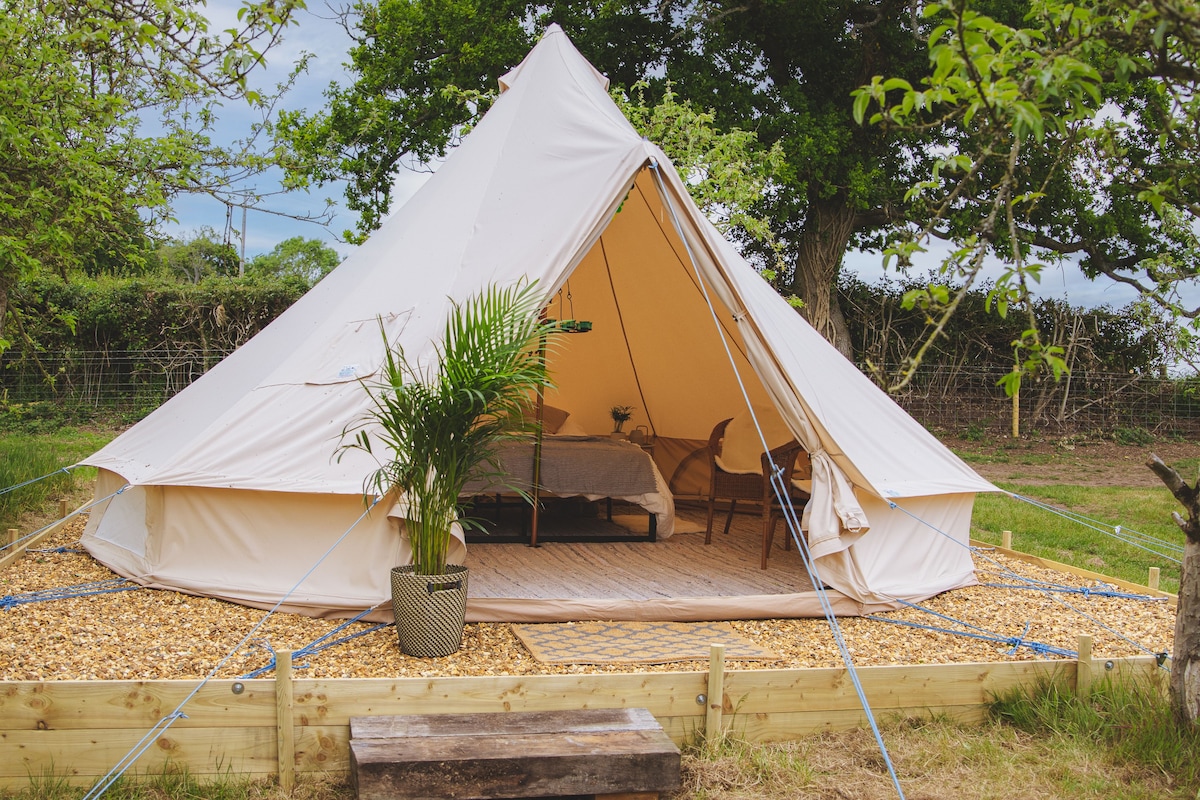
(609, 753)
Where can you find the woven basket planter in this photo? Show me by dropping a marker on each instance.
(429, 610)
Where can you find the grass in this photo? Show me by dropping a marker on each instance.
(29, 456)
(1048, 743)
(1042, 533)
(171, 783)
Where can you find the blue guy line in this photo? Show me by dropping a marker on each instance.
(75, 513)
(1083, 590)
(319, 644)
(11, 601)
(1014, 641)
(1006, 571)
(30, 482)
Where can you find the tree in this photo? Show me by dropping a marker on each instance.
(1185, 665)
(726, 173)
(1074, 138)
(1078, 135)
(109, 112)
(200, 256)
(307, 259)
(781, 70)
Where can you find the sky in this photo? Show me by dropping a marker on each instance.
(319, 33)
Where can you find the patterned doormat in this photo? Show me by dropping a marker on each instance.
(635, 642)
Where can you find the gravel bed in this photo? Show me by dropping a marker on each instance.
(153, 635)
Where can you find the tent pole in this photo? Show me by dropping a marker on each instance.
(537, 448)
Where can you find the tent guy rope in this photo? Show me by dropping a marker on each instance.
(1151, 544)
(1005, 570)
(784, 497)
(319, 644)
(14, 545)
(31, 481)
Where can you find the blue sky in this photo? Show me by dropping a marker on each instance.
(319, 33)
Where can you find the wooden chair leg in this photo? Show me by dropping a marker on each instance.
(729, 518)
(797, 504)
(712, 502)
(768, 536)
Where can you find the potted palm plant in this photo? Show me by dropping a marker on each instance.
(440, 422)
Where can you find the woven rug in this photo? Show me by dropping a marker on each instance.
(640, 523)
(635, 642)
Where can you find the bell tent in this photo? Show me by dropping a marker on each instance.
(232, 489)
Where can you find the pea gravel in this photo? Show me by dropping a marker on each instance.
(145, 634)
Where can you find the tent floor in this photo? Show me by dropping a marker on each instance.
(679, 578)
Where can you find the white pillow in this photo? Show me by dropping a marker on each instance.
(570, 428)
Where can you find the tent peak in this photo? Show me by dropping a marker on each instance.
(554, 42)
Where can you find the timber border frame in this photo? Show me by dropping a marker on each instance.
(283, 726)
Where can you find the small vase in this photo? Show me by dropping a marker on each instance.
(430, 610)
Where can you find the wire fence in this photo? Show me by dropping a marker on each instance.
(108, 380)
(958, 400)
(968, 401)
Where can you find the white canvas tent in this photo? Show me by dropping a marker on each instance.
(233, 487)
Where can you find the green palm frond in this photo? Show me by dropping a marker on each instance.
(440, 423)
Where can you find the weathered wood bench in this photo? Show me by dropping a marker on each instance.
(609, 753)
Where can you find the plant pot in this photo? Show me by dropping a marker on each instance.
(429, 610)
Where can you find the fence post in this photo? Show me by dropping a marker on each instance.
(1152, 581)
(1006, 540)
(716, 692)
(1083, 667)
(285, 720)
(63, 508)
(12, 553)
(1016, 412)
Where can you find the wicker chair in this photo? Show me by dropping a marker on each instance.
(733, 487)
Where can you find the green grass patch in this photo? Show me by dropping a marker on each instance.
(1043, 533)
(26, 457)
(1051, 745)
(1126, 723)
(173, 783)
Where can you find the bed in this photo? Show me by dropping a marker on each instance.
(591, 467)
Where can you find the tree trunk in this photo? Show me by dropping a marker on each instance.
(1185, 662)
(3, 309)
(821, 246)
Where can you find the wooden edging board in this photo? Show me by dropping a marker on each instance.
(79, 730)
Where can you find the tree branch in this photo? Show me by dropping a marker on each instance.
(1188, 497)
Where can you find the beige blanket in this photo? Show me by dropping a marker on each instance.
(574, 465)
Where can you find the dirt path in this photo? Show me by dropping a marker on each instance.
(1089, 463)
